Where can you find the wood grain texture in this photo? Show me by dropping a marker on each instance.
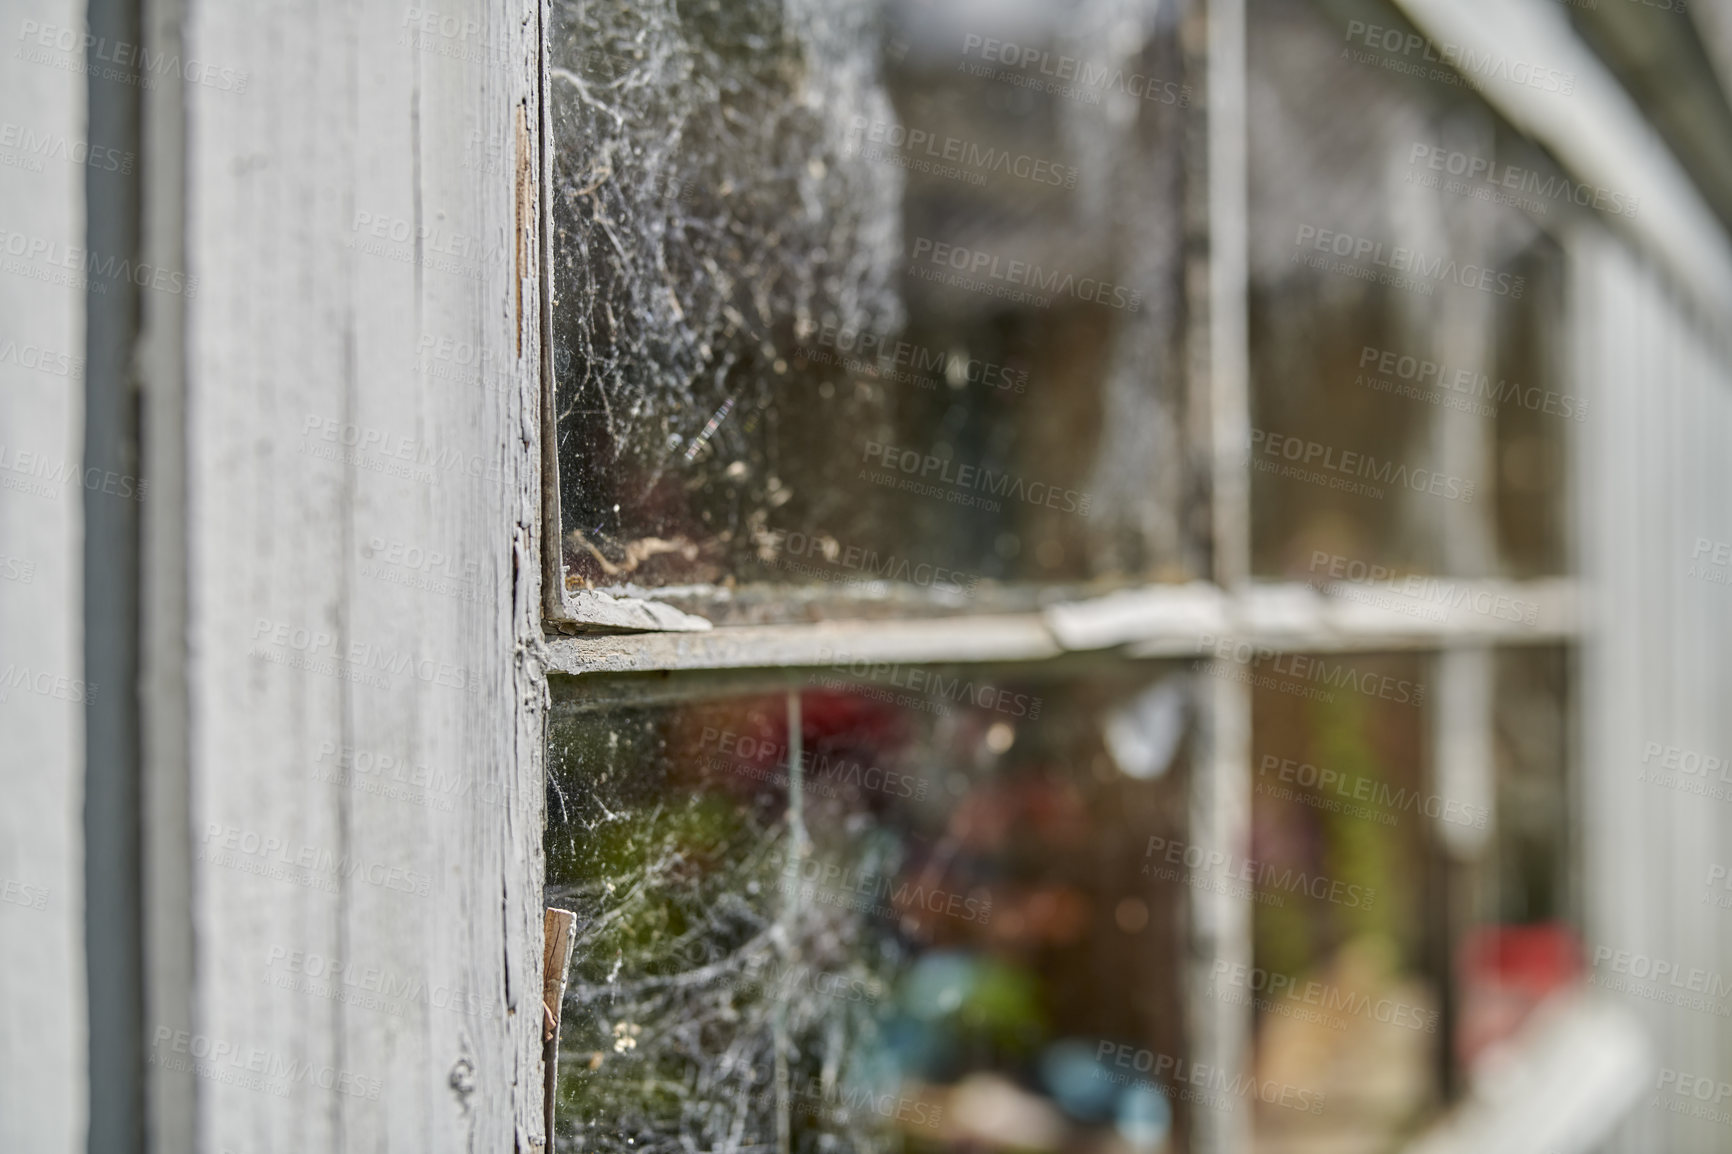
(42, 974)
(364, 684)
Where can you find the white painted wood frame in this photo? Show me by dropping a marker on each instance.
(43, 1096)
(343, 583)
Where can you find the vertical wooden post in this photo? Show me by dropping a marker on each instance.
(44, 996)
(298, 648)
(560, 932)
(1220, 803)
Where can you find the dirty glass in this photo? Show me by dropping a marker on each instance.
(909, 908)
(1346, 983)
(1520, 941)
(1409, 400)
(870, 306)
(1446, 915)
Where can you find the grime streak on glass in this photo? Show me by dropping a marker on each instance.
(851, 916)
(744, 228)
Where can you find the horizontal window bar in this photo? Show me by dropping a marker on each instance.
(1410, 612)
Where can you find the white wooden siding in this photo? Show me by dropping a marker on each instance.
(360, 391)
(42, 984)
(1652, 478)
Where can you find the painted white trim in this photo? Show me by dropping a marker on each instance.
(43, 1004)
(1596, 130)
(364, 739)
(1153, 622)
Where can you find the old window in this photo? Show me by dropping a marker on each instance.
(987, 707)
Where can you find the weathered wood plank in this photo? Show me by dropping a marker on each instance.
(559, 934)
(1652, 478)
(363, 674)
(1160, 621)
(42, 973)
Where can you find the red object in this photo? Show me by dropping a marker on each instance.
(1503, 972)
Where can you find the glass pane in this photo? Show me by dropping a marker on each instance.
(869, 305)
(1520, 942)
(1409, 403)
(918, 911)
(1346, 977)
(1436, 912)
